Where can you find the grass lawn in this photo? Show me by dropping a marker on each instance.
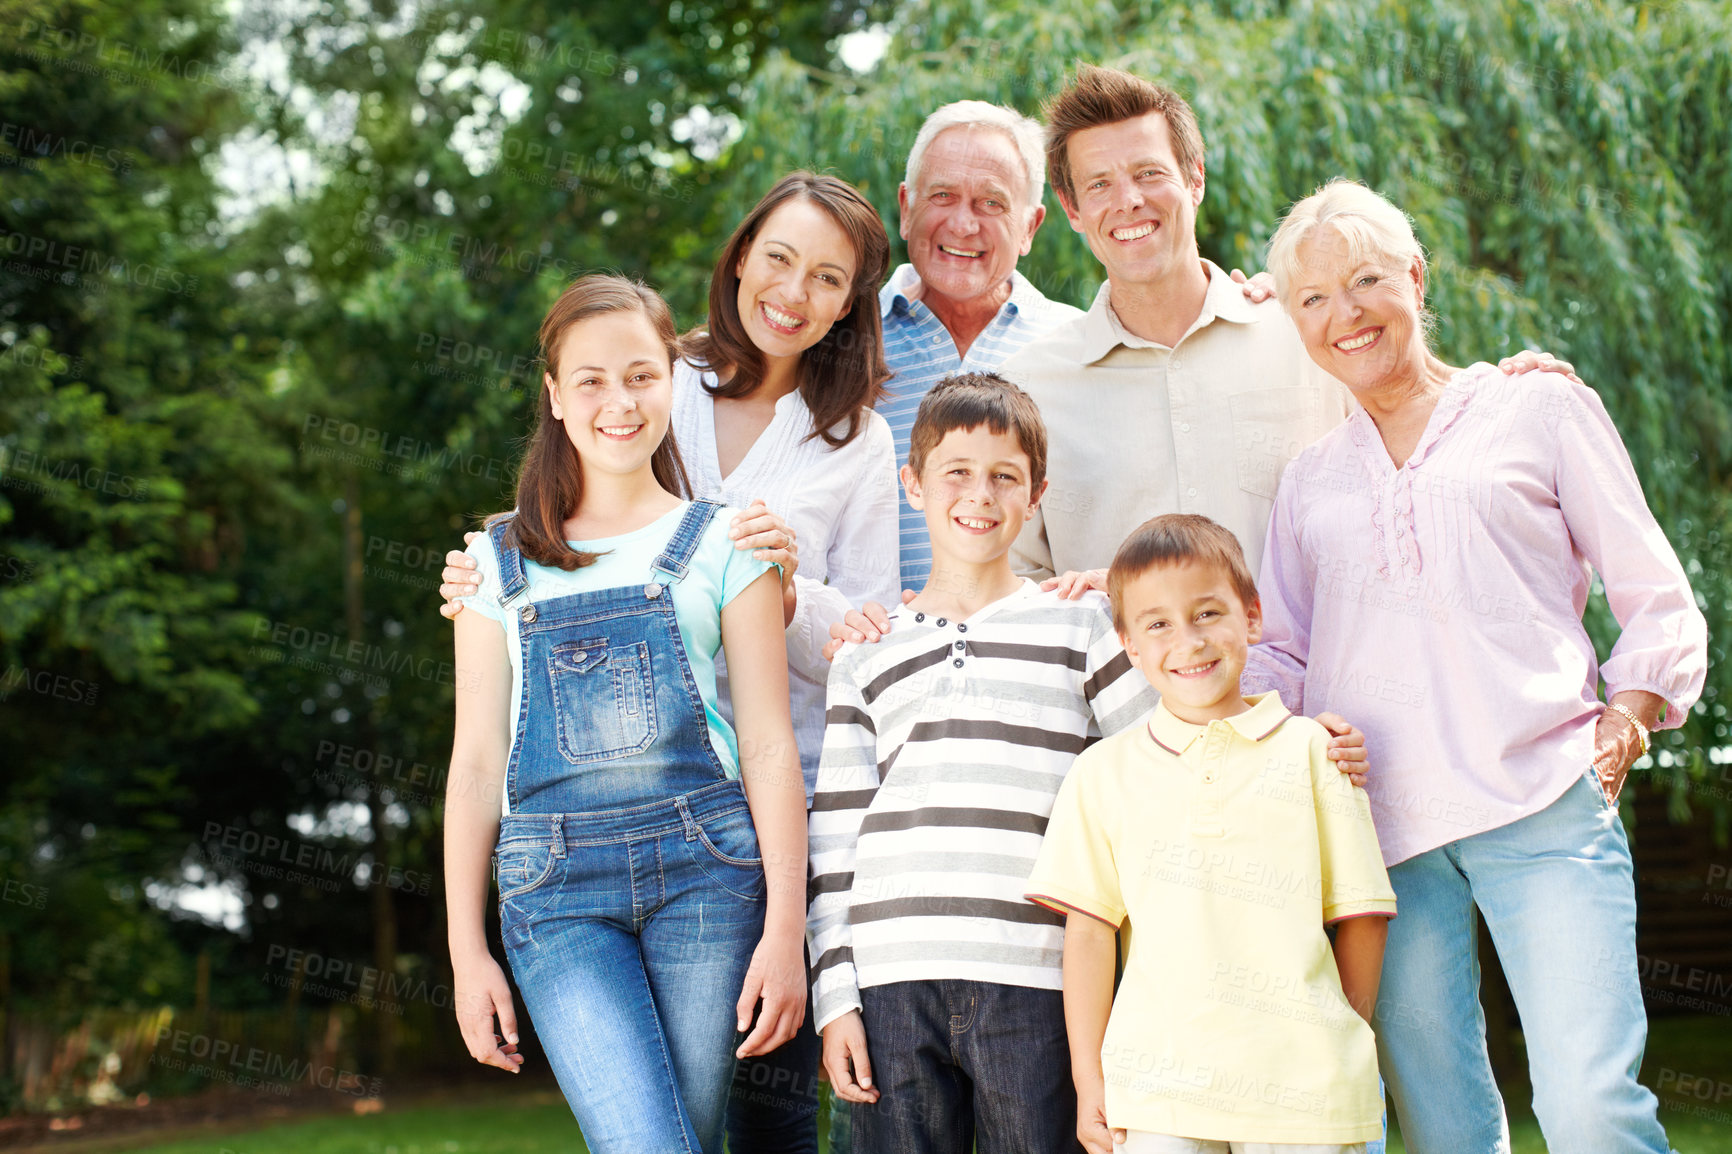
(528, 1122)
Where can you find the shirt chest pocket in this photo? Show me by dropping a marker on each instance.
(603, 699)
(1270, 428)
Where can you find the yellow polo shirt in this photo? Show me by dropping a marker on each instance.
(1228, 847)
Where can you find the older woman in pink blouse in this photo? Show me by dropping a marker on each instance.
(1425, 573)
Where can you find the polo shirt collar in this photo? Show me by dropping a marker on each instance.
(1265, 716)
(1223, 300)
(894, 295)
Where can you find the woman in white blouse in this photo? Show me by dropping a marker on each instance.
(773, 415)
(773, 409)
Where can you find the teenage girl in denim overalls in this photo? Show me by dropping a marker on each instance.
(642, 922)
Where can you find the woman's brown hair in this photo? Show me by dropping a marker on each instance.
(550, 481)
(844, 373)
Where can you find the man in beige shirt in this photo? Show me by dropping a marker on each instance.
(1173, 393)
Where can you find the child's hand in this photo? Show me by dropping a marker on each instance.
(846, 1062)
(777, 976)
(480, 992)
(867, 623)
(1091, 1120)
(1072, 584)
(1346, 748)
(460, 577)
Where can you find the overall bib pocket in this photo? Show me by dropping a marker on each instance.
(603, 699)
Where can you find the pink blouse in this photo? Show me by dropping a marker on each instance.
(1438, 606)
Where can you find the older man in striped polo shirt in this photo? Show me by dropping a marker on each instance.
(970, 206)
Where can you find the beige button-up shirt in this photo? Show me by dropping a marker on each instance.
(1136, 429)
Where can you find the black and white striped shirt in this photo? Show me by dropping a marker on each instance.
(944, 746)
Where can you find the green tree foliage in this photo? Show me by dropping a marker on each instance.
(134, 468)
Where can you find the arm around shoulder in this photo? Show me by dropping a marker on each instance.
(864, 561)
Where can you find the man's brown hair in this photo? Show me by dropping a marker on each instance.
(1107, 96)
(965, 400)
(1177, 539)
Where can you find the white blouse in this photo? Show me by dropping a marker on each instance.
(842, 505)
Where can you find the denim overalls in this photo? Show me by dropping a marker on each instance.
(631, 891)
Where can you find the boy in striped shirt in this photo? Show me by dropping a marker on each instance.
(936, 986)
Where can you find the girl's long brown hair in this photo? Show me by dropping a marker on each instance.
(844, 373)
(550, 482)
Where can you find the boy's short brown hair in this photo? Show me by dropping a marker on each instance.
(1177, 539)
(965, 400)
(1107, 96)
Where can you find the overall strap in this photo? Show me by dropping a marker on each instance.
(675, 559)
(512, 577)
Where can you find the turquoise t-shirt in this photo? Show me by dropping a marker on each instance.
(718, 573)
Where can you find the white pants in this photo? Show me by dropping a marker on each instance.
(1145, 1142)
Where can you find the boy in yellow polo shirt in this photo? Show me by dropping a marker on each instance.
(1224, 840)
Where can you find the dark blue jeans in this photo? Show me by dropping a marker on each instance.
(773, 1105)
(966, 1066)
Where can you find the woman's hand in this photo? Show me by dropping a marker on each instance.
(479, 994)
(777, 978)
(864, 625)
(771, 539)
(1617, 745)
(1346, 747)
(460, 579)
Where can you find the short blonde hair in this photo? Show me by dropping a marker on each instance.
(1373, 229)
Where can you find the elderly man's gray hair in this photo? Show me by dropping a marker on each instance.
(1026, 134)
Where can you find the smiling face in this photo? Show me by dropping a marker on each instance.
(614, 391)
(968, 218)
(1358, 314)
(975, 489)
(796, 279)
(1188, 632)
(1135, 206)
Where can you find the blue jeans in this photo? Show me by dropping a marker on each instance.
(629, 933)
(1557, 892)
(966, 1066)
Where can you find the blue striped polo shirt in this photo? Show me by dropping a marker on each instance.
(921, 352)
